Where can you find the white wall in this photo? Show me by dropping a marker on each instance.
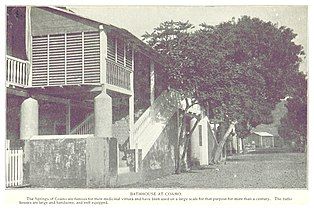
(200, 152)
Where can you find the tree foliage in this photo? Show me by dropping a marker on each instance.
(239, 70)
(294, 124)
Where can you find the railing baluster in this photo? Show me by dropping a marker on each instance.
(12, 70)
(11, 167)
(20, 73)
(16, 78)
(23, 74)
(115, 75)
(19, 170)
(15, 72)
(27, 75)
(7, 167)
(15, 167)
(8, 70)
(118, 76)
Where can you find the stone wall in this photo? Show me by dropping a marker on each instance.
(58, 164)
(79, 162)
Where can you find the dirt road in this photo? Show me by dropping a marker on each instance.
(272, 170)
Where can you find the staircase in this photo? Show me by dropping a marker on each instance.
(149, 126)
(152, 122)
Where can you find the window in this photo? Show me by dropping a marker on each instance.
(120, 52)
(200, 135)
(111, 49)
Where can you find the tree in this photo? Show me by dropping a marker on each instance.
(238, 70)
(174, 41)
(294, 124)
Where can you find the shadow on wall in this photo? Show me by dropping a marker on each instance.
(160, 160)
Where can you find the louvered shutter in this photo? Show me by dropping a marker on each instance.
(66, 59)
(92, 57)
(40, 61)
(56, 71)
(74, 58)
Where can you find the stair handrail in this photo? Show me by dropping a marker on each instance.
(151, 113)
(88, 121)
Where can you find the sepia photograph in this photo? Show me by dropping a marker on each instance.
(156, 97)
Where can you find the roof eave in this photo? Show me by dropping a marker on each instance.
(147, 50)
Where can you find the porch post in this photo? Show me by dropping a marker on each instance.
(152, 81)
(28, 129)
(133, 142)
(103, 54)
(28, 42)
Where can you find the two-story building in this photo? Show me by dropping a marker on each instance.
(86, 104)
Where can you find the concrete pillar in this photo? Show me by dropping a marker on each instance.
(29, 119)
(195, 148)
(28, 128)
(240, 149)
(235, 144)
(101, 162)
(103, 115)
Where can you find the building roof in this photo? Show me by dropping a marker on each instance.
(123, 32)
(263, 133)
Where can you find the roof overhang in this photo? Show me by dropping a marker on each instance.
(125, 34)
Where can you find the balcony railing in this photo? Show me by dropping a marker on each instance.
(18, 74)
(17, 71)
(118, 75)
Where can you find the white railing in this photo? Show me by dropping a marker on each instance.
(149, 126)
(17, 71)
(14, 166)
(85, 127)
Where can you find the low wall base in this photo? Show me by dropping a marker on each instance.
(71, 163)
